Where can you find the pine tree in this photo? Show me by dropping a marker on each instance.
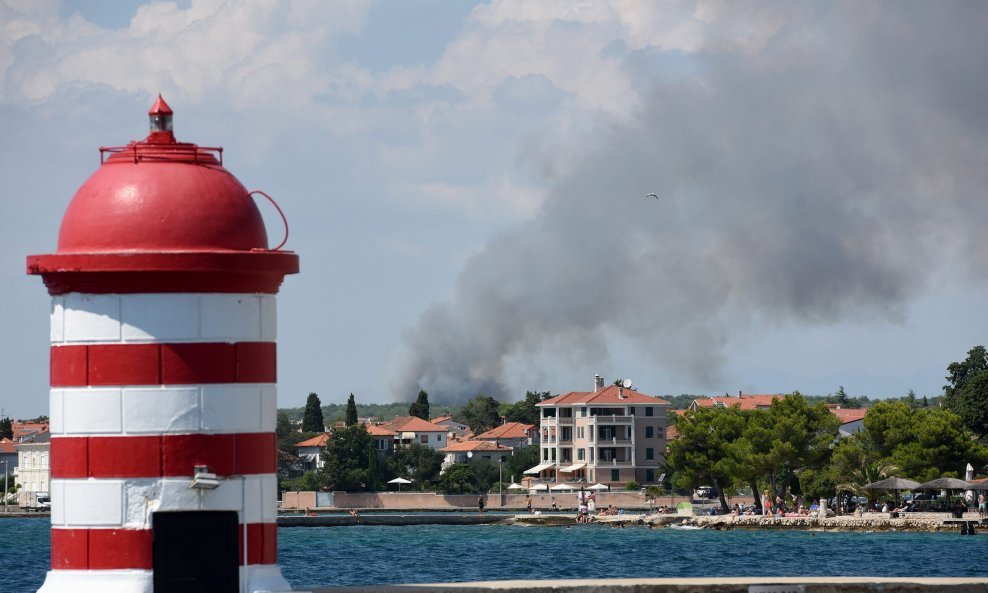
(6, 429)
(313, 421)
(420, 407)
(351, 411)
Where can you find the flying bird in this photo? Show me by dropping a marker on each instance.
(652, 195)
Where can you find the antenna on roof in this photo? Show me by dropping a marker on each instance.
(626, 383)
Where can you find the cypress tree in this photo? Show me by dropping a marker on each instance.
(351, 411)
(420, 407)
(313, 421)
(6, 428)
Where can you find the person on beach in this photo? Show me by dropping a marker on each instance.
(766, 503)
(982, 509)
(480, 504)
(528, 503)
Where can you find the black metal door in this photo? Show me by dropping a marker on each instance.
(195, 552)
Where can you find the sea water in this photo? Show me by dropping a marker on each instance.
(367, 555)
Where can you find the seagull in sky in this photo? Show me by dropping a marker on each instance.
(652, 195)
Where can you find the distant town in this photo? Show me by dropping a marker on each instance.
(792, 446)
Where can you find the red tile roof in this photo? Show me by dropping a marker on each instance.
(379, 431)
(414, 424)
(848, 414)
(608, 395)
(23, 429)
(475, 446)
(7, 446)
(316, 441)
(745, 402)
(508, 430)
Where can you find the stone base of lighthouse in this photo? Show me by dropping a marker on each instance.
(254, 579)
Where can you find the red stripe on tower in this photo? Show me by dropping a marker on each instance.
(163, 371)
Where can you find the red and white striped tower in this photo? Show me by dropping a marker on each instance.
(163, 359)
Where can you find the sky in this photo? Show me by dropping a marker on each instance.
(466, 184)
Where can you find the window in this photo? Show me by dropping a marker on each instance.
(566, 412)
(583, 411)
(591, 453)
(649, 453)
(567, 433)
(553, 454)
(439, 438)
(650, 475)
(580, 454)
(648, 411)
(545, 455)
(424, 439)
(649, 432)
(615, 475)
(631, 410)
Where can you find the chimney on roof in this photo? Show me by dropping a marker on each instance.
(739, 393)
(598, 383)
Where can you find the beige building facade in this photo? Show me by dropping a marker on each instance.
(611, 435)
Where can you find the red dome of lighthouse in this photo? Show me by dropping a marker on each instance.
(161, 195)
(161, 215)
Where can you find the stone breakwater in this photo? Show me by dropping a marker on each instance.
(930, 522)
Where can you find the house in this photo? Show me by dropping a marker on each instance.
(33, 471)
(745, 402)
(22, 430)
(412, 429)
(512, 434)
(453, 427)
(851, 419)
(611, 435)
(310, 451)
(462, 452)
(383, 437)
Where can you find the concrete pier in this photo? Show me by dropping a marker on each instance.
(695, 585)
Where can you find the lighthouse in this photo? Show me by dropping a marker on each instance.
(163, 388)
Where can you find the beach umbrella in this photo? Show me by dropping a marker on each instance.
(560, 487)
(538, 487)
(944, 484)
(514, 486)
(598, 487)
(947, 484)
(981, 486)
(399, 481)
(895, 484)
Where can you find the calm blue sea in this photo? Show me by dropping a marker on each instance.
(363, 555)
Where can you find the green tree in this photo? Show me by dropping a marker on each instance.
(375, 474)
(458, 479)
(486, 473)
(840, 398)
(701, 454)
(6, 429)
(526, 411)
(416, 462)
(346, 459)
(524, 458)
(312, 421)
(420, 407)
(967, 393)
(351, 412)
(480, 414)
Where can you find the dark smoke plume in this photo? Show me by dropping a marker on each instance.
(830, 175)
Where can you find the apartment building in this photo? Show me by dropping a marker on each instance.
(611, 435)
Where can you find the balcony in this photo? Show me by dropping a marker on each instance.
(556, 421)
(611, 419)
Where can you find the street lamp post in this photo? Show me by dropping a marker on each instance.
(4, 462)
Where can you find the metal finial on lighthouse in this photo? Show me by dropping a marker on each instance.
(160, 117)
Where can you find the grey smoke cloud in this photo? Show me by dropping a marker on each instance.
(830, 175)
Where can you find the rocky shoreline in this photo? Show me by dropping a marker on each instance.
(928, 522)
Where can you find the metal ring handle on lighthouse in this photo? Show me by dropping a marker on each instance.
(278, 208)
